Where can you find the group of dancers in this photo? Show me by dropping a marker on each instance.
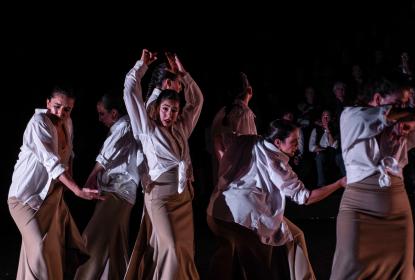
(147, 144)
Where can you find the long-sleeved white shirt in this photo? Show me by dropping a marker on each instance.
(254, 179)
(323, 142)
(39, 163)
(369, 144)
(164, 148)
(120, 157)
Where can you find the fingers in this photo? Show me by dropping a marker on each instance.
(88, 190)
(148, 57)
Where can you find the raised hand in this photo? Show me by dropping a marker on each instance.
(174, 63)
(148, 57)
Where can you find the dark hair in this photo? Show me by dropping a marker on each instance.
(64, 90)
(159, 74)
(237, 90)
(279, 129)
(110, 101)
(167, 94)
(382, 86)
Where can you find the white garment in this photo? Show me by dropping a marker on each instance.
(39, 162)
(164, 148)
(323, 143)
(369, 145)
(254, 179)
(120, 158)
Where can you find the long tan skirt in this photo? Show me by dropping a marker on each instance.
(52, 247)
(241, 255)
(164, 248)
(106, 240)
(374, 232)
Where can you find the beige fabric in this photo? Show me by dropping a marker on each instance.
(299, 263)
(52, 247)
(374, 232)
(106, 240)
(241, 255)
(165, 244)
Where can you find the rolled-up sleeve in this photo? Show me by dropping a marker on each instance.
(287, 181)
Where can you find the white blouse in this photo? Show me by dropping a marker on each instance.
(120, 158)
(164, 148)
(254, 179)
(323, 143)
(39, 163)
(370, 144)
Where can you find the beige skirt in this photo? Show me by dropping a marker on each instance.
(164, 248)
(241, 255)
(374, 232)
(106, 240)
(52, 247)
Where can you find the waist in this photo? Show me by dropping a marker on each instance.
(371, 183)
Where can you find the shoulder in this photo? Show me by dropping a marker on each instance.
(40, 118)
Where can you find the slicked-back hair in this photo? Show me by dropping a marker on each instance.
(111, 101)
(279, 129)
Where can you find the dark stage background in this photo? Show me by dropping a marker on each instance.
(278, 46)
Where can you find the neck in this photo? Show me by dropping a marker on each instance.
(246, 100)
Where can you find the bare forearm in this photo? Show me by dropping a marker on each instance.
(323, 192)
(397, 114)
(67, 180)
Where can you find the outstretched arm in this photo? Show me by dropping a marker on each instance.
(323, 192)
(84, 193)
(401, 114)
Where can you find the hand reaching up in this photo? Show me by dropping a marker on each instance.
(148, 57)
(174, 63)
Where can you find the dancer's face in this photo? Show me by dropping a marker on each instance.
(169, 110)
(290, 144)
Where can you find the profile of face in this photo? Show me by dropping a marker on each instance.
(290, 144)
(168, 112)
(108, 118)
(60, 106)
